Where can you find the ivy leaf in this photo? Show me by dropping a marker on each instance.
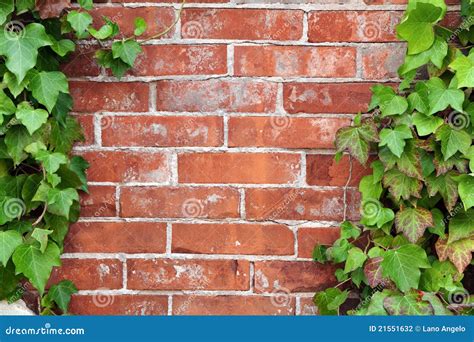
(63, 47)
(127, 51)
(395, 138)
(436, 54)
(51, 161)
(407, 304)
(376, 307)
(446, 186)
(437, 305)
(349, 230)
(409, 162)
(329, 301)
(458, 252)
(106, 59)
(6, 7)
(61, 294)
(63, 137)
(6, 104)
(51, 8)
(425, 125)
(355, 259)
(461, 226)
(417, 29)
(8, 279)
(401, 185)
(15, 88)
(389, 102)
(16, 139)
(60, 201)
(453, 140)
(36, 266)
(369, 189)
(31, 118)
(79, 166)
(412, 222)
(41, 235)
(402, 265)
(86, 4)
(439, 226)
(373, 272)
(418, 100)
(79, 22)
(104, 32)
(9, 241)
(140, 26)
(440, 97)
(466, 190)
(319, 254)
(21, 50)
(46, 87)
(356, 140)
(464, 68)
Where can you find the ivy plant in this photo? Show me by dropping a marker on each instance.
(40, 180)
(409, 252)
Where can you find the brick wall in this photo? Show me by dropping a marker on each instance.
(212, 173)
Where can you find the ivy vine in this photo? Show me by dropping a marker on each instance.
(409, 252)
(39, 179)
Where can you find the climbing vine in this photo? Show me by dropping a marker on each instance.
(409, 252)
(39, 179)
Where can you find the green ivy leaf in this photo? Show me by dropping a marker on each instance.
(402, 265)
(401, 185)
(370, 189)
(407, 304)
(349, 230)
(63, 47)
(104, 32)
(446, 186)
(435, 54)
(453, 140)
(36, 266)
(140, 26)
(355, 259)
(461, 226)
(437, 305)
(426, 125)
(356, 140)
(127, 51)
(51, 161)
(61, 294)
(466, 190)
(389, 102)
(63, 137)
(41, 235)
(329, 301)
(21, 50)
(395, 138)
(439, 226)
(9, 241)
(46, 87)
(412, 222)
(6, 7)
(16, 139)
(31, 118)
(464, 68)
(15, 88)
(86, 4)
(60, 201)
(79, 22)
(441, 97)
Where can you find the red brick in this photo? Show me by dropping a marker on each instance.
(116, 237)
(307, 307)
(131, 305)
(161, 60)
(90, 274)
(168, 274)
(326, 97)
(294, 204)
(109, 96)
(232, 305)
(353, 26)
(401, 2)
(171, 1)
(255, 168)
(284, 131)
(162, 131)
(256, 239)
(323, 170)
(308, 238)
(127, 166)
(87, 124)
(293, 276)
(194, 202)
(214, 95)
(99, 202)
(251, 24)
(81, 62)
(157, 19)
(382, 62)
(320, 61)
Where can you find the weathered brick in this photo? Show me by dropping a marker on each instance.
(308, 238)
(264, 168)
(127, 166)
(382, 62)
(353, 26)
(116, 237)
(232, 305)
(187, 202)
(109, 96)
(168, 274)
(326, 97)
(90, 274)
(87, 124)
(293, 276)
(162, 131)
(294, 204)
(256, 239)
(243, 24)
(81, 62)
(99, 202)
(319, 61)
(307, 307)
(131, 305)
(216, 95)
(323, 170)
(284, 131)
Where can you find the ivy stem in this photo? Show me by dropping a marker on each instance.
(162, 33)
(40, 218)
(342, 282)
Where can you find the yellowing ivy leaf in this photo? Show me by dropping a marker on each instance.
(412, 222)
(458, 252)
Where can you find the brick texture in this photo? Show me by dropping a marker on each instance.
(212, 174)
